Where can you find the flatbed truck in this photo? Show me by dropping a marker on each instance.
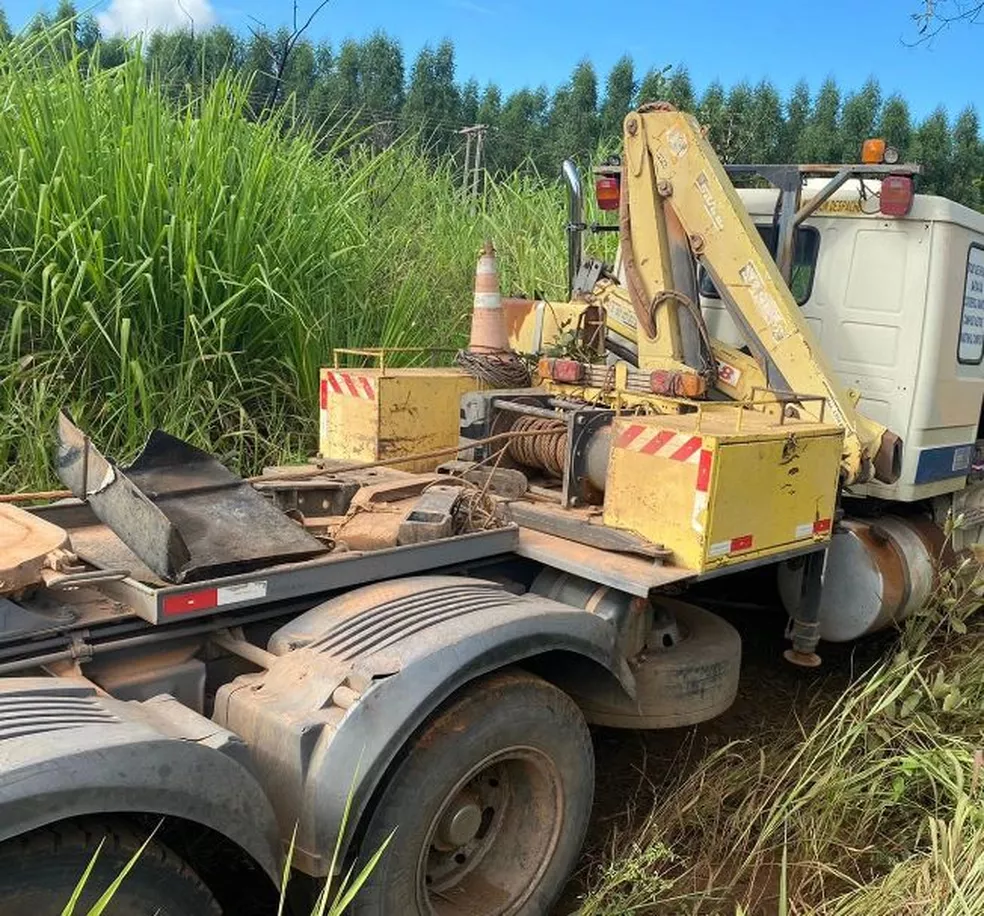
(404, 643)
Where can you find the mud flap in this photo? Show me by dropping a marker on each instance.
(67, 750)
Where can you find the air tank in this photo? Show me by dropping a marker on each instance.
(877, 572)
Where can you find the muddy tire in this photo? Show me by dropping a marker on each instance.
(489, 805)
(39, 873)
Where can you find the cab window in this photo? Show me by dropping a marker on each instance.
(806, 248)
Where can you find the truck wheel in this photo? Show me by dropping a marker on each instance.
(39, 872)
(489, 805)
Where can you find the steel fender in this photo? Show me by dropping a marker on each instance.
(377, 727)
(408, 671)
(68, 751)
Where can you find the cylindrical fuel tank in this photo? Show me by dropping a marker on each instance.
(876, 573)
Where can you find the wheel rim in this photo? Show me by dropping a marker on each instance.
(493, 836)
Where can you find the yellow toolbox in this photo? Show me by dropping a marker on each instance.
(723, 486)
(371, 414)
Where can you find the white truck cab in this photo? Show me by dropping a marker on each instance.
(897, 305)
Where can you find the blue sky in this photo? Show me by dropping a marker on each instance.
(517, 43)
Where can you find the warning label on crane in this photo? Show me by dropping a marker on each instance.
(622, 313)
(677, 142)
(710, 204)
(764, 301)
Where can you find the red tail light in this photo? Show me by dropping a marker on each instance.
(896, 195)
(607, 193)
(560, 370)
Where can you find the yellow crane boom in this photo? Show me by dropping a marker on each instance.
(677, 205)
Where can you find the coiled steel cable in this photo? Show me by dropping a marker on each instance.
(544, 446)
(499, 370)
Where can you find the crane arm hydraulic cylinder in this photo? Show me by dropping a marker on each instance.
(675, 192)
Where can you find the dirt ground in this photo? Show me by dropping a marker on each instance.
(634, 766)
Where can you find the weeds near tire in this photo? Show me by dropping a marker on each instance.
(876, 809)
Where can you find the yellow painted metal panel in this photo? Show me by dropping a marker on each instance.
(722, 487)
(370, 414)
(770, 494)
(655, 497)
(419, 412)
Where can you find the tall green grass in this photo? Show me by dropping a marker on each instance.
(186, 267)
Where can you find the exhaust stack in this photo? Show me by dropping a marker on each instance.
(575, 223)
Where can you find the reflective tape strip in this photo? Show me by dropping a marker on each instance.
(189, 602)
(742, 543)
(812, 529)
(628, 436)
(488, 301)
(207, 598)
(660, 442)
(704, 471)
(735, 545)
(656, 443)
(688, 450)
(347, 384)
(241, 591)
(719, 549)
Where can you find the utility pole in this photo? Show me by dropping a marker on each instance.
(472, 170)
(479, 149)
(468, 134)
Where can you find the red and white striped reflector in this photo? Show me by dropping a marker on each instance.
(813, 529)
(735, 545)
(348, 385)
(663, 443)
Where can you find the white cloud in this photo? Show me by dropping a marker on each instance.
(127, 17)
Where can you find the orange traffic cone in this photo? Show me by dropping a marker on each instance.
(488, 328)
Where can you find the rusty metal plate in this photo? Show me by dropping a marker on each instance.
(178, 509)
(632, 574)
(25, 542)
